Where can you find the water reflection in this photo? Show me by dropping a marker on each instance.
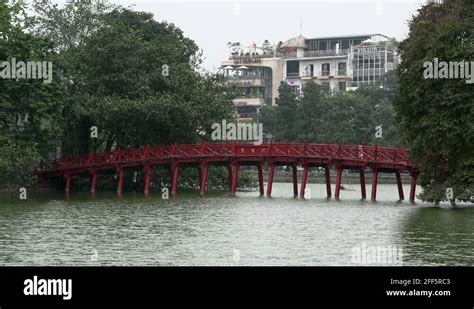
(218, 230)
(439, 236)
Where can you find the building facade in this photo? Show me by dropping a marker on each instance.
(340, 63)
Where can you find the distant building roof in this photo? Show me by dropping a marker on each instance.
(298, 41)
(346, 36)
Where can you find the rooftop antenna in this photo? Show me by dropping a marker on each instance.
(301, 27)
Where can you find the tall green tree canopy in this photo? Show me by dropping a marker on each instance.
(436, 115)
(136, 79)
(29, 107)
(319, 116)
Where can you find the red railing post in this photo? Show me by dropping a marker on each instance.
(174, 177)
(340, 169)
(260, 178)
(304, 180)
(203, 171)
(375, 175)
(362, 183)
(235, 177)
(399, 185)
(270, 178)
(328, 181)
(414, 176)
(147, 169)
(295, 180)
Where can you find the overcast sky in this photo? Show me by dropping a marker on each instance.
(211, 24)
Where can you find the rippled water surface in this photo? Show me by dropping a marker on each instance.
(219, 230)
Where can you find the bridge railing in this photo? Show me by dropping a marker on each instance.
(203, 151)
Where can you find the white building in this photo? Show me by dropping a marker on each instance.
(339, 62)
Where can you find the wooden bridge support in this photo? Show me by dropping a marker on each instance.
(399, 185)
(328, 181)
(68, 178)
(229, 169)
(203, 173)
(93, 181)
(363, 192)
(120, 175)
(147, 171)
(375, 176)
(304, 181)
(294, 169)
(414, 176)
(235, 177)
(340, 169)
(270, 179)
(260, 179)
(174, 177)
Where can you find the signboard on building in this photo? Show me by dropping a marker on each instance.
(246, 60)
(293, 82)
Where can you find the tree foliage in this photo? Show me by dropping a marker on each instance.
(319, 116)
(436, 115)
(29, 108)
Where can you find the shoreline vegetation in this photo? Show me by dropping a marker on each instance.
(114, 66)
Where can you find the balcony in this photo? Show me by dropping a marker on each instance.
(246, 81)
(326, 53)
(324, 74)
(249, 101)
(342, 74)
(292, 74)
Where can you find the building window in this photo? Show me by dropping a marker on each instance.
(341, 69)
(323, 45)
(342, 86)
(325, 69)
(295, 90)
(293, 68)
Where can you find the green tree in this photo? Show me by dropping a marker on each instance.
(29, 108)
(311, 111)
(436, 115)
(285, 115)
(142, 73)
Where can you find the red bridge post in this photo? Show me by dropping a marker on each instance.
(235, 177)
(328, 181)
(174, 177)
(147, 175)
(68, 178)
(93, 181)
(399, 185)
(295, 179)
(414, 176)
(304, 180)
(270, 179)
(375, 176)
(362, 184)
(229, 169)
(203, 173)
(340, 169)
(260, 178)
(120, 180)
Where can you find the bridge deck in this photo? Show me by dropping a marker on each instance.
(235, 155)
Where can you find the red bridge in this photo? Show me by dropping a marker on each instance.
(235, 155)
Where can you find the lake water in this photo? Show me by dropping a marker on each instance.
(220, 230)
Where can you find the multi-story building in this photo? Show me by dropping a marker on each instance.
(339, 62)
(258, 74)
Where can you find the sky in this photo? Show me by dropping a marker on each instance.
(213, 23)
